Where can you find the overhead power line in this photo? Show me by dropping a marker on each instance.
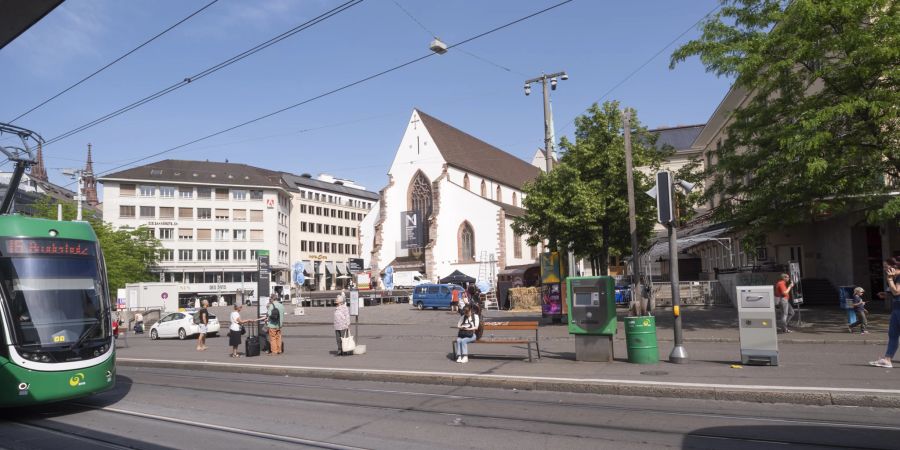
(209, 71)
(113, 62)
(334, 91)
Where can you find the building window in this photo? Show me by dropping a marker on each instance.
(515, 200)
(238, 194)
(319, 246)
(466, 181)
(302, 246)
(185, 255)
(239, 235)
(186, 192)
(221, 235)
(204, 213)
(419, 200)
(303, 209)
(204, 193)
(204, 234)
(185, 234)
(534, 252)
(221, 194)
(222, 214)
(126, 211)
(466, 243)
(353, 232)
(127, 190)
(256, 215)
(148, 191)
(327, 247)
(185, 213)
(166, 192)
(318, 228)
(166, 234)
(499, 194)
(318, 210)
(240, 255)
(166, 254)
(221, 255)
(256, 194)
(166, 212)
(204, 255)
(517, 246)
(148, 212)
(256, 235)
(353, 252)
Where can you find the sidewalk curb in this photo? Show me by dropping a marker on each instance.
(817, 396)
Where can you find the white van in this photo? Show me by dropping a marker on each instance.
(408, 279)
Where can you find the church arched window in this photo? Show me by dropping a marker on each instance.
(499, 194)
(466, 181)
(466, 242)
(419, 199)
(515, 200)
(483, 189)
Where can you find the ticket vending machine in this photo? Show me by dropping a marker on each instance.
(592, 316)
(758, 328)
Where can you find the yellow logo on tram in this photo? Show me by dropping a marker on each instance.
(77, 380)
(60, 338)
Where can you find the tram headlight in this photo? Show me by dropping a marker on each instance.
(27, 355)
(45, 358)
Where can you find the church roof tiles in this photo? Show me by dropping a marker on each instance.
(469, 153)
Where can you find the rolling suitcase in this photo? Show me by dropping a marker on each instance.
(252, 346)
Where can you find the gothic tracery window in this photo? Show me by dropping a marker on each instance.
(420, 200)
(466, 242)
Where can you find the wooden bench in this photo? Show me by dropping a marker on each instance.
(487, 338)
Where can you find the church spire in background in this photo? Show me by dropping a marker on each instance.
(38, 171)
(90, 183)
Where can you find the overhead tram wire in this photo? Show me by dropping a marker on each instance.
(645, 63)
(114, 61)
(334, 91)
(209, 71)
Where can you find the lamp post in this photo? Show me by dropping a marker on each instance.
(548, 113)
(78, 175)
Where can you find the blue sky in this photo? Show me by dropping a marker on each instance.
(353, 133)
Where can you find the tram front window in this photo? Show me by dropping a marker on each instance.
(54, 293)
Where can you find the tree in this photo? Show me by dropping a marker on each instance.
(583, 201)
(819, 134)
(130, 254)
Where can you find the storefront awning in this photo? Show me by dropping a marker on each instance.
(337, 268)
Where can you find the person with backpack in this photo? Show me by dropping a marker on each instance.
(468, 326)
(275, 314)
(201, 318)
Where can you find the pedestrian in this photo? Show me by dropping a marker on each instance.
(892, 273)
(782, 299)
(235, 330)
(341, 322)
(138, 323)
(463, 302)
(275, 314)
(467, 325)
(860, 307)
(203, 322)
(454, 300)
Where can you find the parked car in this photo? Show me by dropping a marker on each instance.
(434, 295)
(181, 325)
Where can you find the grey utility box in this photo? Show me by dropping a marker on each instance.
(758, 330)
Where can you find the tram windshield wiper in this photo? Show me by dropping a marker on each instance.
(85, 335)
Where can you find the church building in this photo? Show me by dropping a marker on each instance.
(449, 205)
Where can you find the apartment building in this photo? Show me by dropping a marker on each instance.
(325, 217)
(212, 219)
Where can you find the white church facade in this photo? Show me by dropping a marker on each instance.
(466, 193)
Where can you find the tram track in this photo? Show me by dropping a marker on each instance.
(519, 402)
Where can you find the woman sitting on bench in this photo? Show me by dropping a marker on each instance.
(467, 325)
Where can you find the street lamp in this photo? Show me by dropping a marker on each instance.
(548, 114)
(78, 175)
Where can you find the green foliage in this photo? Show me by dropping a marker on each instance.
(820, 133)
(584, 199)
(129, 254)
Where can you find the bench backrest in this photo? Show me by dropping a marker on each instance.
(516, 326)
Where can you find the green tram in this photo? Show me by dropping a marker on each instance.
(56, 338)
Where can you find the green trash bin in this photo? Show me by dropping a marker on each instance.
(640, 339)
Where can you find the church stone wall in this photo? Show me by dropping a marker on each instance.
(511, 260)
(456, 176)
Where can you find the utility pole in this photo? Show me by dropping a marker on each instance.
(637, 298)
(78, 175)
(548, 114)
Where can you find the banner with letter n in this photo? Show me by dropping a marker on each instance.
(411, 230)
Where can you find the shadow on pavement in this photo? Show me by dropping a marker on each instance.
(778, 436)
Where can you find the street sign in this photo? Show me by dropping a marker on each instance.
(164, 295)
(262, 282)
(354, 302)
(664, 211)
(356, 265)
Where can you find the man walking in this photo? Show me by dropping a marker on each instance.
(782, 299)
(202, 321)
(276, 318)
